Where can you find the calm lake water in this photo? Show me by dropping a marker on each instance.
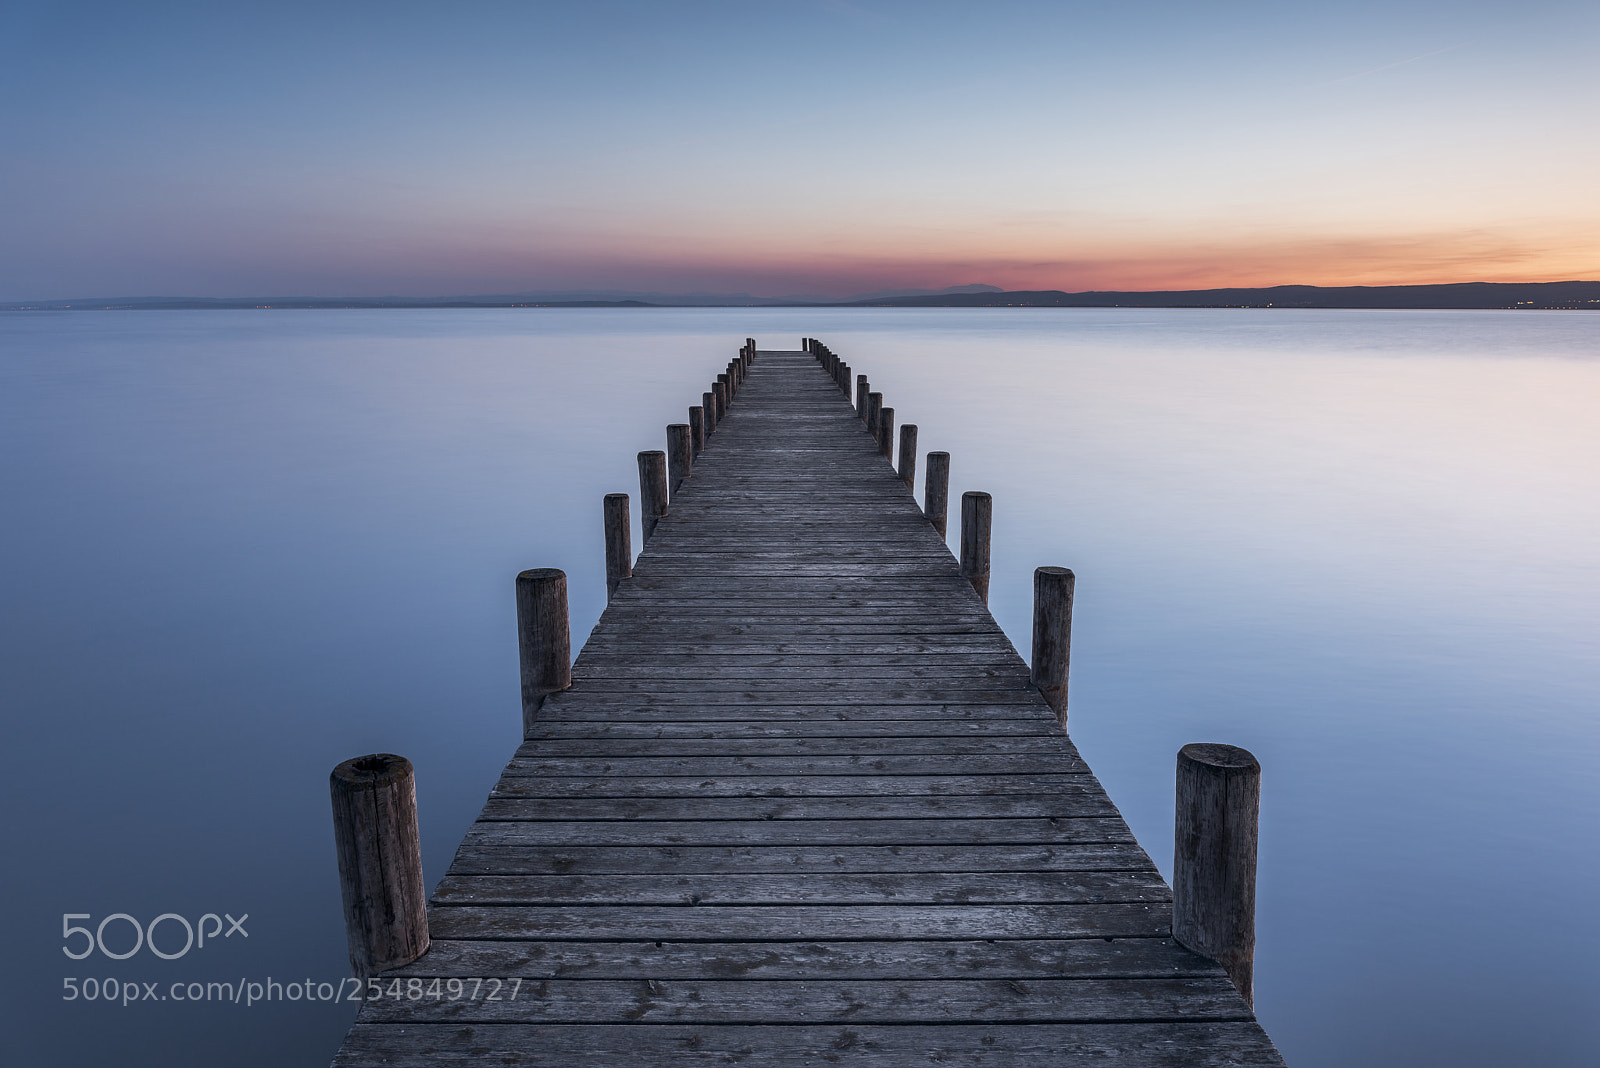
(243, 546)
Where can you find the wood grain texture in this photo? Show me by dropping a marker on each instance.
(804, 804)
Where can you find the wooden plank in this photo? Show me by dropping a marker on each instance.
(474, 858)
(1175, 1044)
(1085, 800)
(1126, 958)
(712, 766)
(802, 922)
(816, 728)
(922, 888)
(783, 786)
(797, 832)
(602, 748)
(814, 1001)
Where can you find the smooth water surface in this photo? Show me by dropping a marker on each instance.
(243, 546)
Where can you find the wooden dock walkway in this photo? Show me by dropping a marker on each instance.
(801, 806)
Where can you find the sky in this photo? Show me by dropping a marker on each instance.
(828, 148)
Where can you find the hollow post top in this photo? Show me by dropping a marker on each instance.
(376, 769)
(1220, 756)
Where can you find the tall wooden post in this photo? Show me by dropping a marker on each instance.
(863, 387)
(936, 492)
(874, 406)
(908, 456)
(680, 455)
(976, 510)
(843, 379)
(1052, 636)
(380, 862)
(544, 638)
(708, 412)
(697, 428)
(1214, 858)
(886, 433)
(750, 342)
(725, 380)
(652, 491)
(619, 542)
(719, 390)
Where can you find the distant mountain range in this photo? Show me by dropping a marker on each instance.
(1485, 295)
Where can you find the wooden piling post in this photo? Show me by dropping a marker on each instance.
(680, 455)
(708, 412)
(652, 491)
(750, 342)
(908, 456)
(380, 862)
(544, 638)
(862, 389)
(1052, 636)
(976, 510)
(936, 492)
(886, 433)
(844, 380)
(1214, 857)
(725, 380)
(874, 406)
(697, 429)
(720, 392)
(619, 542)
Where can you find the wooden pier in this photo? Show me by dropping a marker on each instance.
(801, 805)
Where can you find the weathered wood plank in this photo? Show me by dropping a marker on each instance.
(1177, 1044)
(922, 888)
(803, 922)
(855, 786)
(474, 858)
(814, 1001)
(1126, 958)
(796, 832)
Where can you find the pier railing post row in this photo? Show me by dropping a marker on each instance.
(1214, 857)
(908, 456)
(652, 491)
(708, 412)
(697, 428)
(1052, 636)
(380, 862)
(936, 492)
(619, 542)
(977, 509)
(886, 433)
(680, 455)
(544, 638)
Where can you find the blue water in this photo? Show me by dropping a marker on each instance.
(243, 546)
